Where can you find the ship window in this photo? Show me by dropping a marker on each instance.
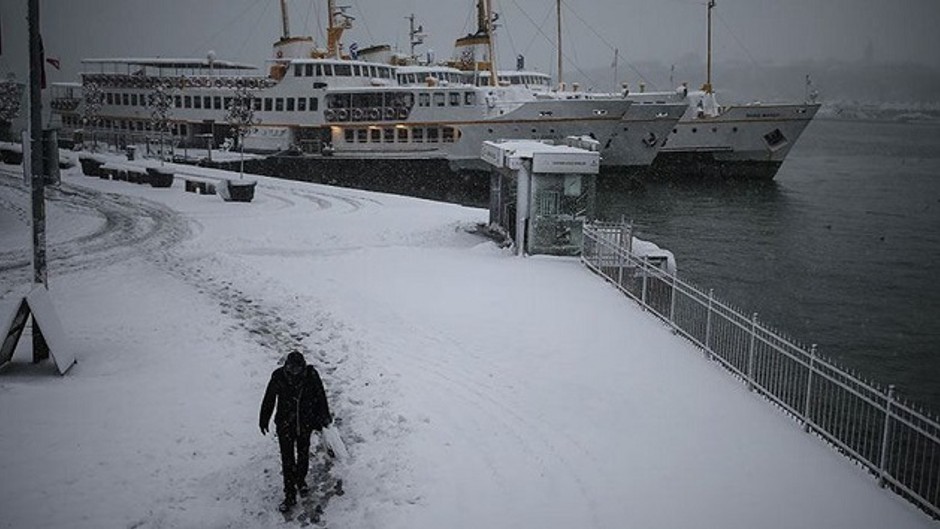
(349, 135)
(313, 103)
(356, 71)
(319, 70)
(402, 135)
(454, 99)
(438, 99)
(388, 135)
(327, 70)
(257, 104)
(268, 104)
(133, 100)
(308, 70)
(290, 104)
(447, 135)
(279, 104)
(227, 103)
(125, 99)
(694, 130)
(188, 101)
(372, 71)
(424, 100)
(432, 135)
(298, 70)
(469, 98)
(375, 135)
(217, 102)
(734, 129)
(385, 73)
(417, 135)
(109, 97)
(714, 129)
(344, 70)
(197, 102)
(362, 135)
(302, 104)
(207, 101)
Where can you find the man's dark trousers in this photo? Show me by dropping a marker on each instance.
(295, 458)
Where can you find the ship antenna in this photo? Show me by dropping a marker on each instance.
(708, 69)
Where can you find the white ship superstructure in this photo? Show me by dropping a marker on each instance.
(323, 102)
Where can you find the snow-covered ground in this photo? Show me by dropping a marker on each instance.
(473, 388)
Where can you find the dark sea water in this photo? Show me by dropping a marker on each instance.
(842, 249)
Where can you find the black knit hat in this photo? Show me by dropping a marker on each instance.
(295, 360)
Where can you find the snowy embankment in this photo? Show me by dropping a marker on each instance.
(474, 389)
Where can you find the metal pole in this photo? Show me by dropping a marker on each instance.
(36, 150)
(750, 354)
(883, 462)
(809, 389)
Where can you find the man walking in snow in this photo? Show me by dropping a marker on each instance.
(301, 408)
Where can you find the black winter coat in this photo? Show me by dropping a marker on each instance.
(301, 403)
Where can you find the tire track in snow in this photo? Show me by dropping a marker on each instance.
(132, 228)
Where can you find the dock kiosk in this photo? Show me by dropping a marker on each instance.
(541, 193)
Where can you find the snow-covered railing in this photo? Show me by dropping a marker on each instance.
(899, 444)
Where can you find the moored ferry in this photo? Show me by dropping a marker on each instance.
(324, 102)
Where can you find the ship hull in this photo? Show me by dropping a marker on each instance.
(746, 142)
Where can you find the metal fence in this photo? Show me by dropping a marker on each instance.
(866, 422)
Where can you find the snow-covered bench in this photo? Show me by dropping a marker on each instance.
(199, 185)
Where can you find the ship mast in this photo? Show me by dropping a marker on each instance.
(489, 41)
(558, 18)
(285, 24)
(338, 21)
(707, 88)
(416, 34)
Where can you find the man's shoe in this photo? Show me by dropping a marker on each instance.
(303, 489)
(287, 504)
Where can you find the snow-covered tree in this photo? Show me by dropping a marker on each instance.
(93, 99)
(11, 97)
(160, 103)
(241, 118)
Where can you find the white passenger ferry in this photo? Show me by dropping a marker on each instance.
(323, 102)
(747, 141)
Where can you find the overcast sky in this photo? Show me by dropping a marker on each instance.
(751, 31)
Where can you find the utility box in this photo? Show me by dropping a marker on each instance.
(542, 193)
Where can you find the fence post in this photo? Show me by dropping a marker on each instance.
(644, 268)
(672, 306)
(708, 324)
(882, 465)
(620, 265)
(809, 389)
(750, 353)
